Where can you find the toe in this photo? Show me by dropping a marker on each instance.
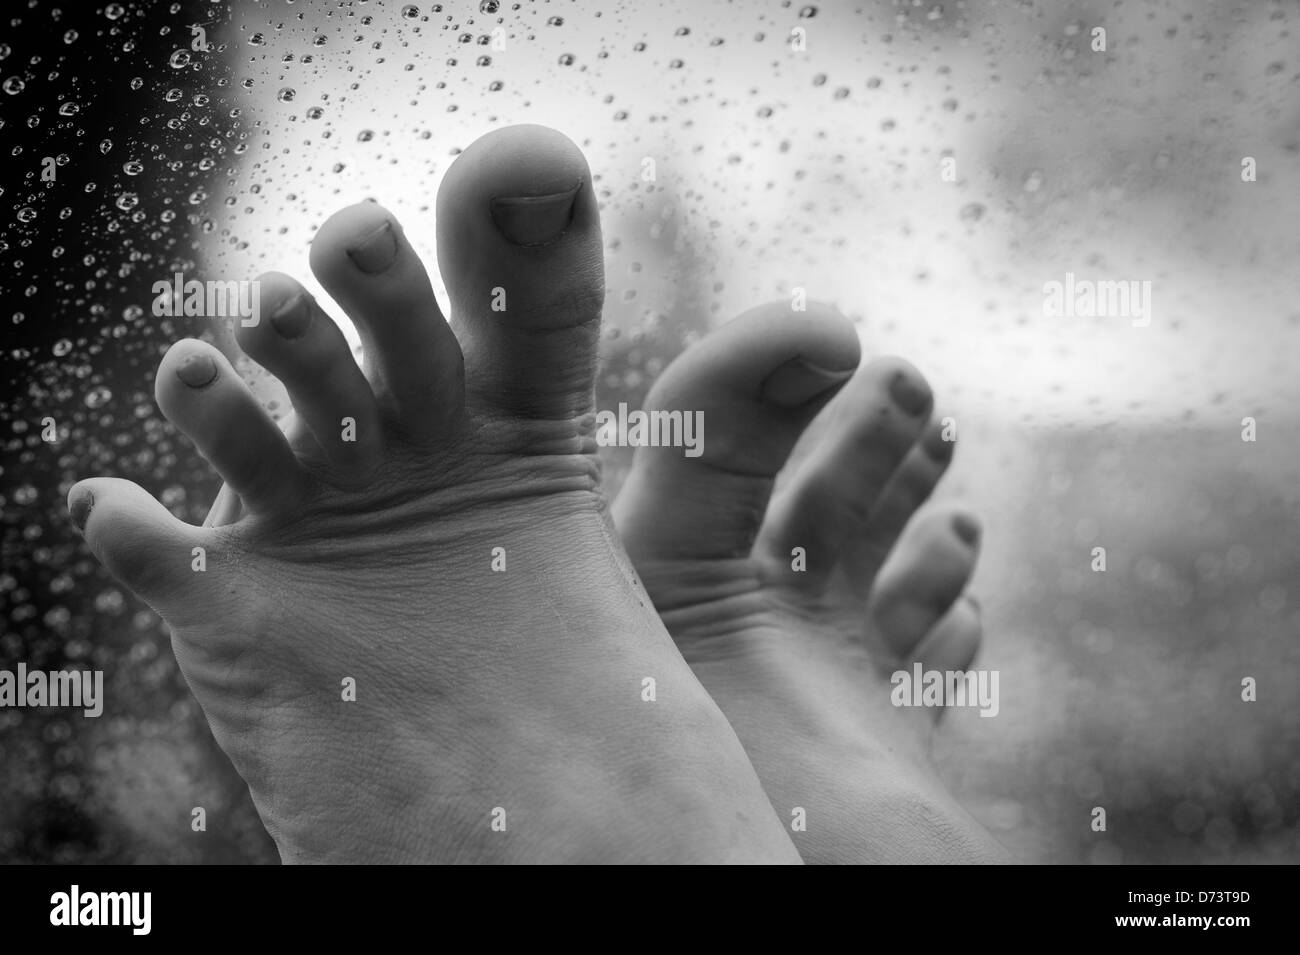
(828, 502)
(909, 488)
(363, 259)
(923, 578)
(301, 345)
(955, 639)
(520, 250)
(201, 394)
(754, 384)
(137, 539)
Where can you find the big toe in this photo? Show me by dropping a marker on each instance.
(519, 248)
(752, 386)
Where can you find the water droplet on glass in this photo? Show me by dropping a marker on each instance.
(127, 201)
(98, 397)
(566, 59)
(114, 11)
(972, 212)
(286, 95)
(489, 6)
(26, 214)
(179, 60)
(133, 167)
(410, 11)
(69, 109)
(14, 85)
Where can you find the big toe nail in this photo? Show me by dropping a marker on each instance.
(534, 220)
(799, 380)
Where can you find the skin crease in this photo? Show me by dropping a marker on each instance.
(475, 691)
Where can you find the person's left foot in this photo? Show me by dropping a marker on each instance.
(793, 615)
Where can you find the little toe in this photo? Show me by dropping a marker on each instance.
(754, 384)
(362, 258)
(201, 394)
(137, 539)
(828, 502)
(923, 578)
(519, 247)
(301, 345)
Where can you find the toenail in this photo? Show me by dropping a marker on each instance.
(377, 251)
(937, 446)
(910, 395)
(80, 509)
(967, 529)
(197, 370)
(799, 380)
(534, 220)
(292, 318)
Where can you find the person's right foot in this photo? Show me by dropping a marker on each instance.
(432, 540)
(799, 658)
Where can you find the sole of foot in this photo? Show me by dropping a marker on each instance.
(415, 633)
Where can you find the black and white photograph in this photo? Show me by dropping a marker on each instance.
(684, 432)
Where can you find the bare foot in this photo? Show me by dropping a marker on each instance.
(799, 657)
(498, 714)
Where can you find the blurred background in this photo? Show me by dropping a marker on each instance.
(927, 167)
